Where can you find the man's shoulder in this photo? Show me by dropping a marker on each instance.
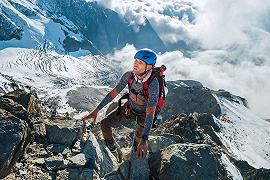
(154, 82)
(128, 73)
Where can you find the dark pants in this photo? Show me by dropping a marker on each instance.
(115, 118)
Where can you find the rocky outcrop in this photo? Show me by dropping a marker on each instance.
(231, 97)
(183, 146)
(29, 101)
(16, 109)
(249, 172)
(24, 10)
(184, 161)
(14, 137)
(16, 127)
(8, 29)
(133, 168)
(191, 97)
(71, 44)
(63, 131)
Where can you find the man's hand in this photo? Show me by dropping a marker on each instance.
(92, 115)
(142, 149)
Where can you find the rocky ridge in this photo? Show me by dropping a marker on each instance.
(55, 146)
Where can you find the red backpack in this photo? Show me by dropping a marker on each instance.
(157, 72)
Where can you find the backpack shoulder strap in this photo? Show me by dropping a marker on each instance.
(157, 72)
(131, 79)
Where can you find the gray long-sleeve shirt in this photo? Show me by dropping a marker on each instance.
(153, 92)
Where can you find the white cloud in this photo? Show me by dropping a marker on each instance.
(222, 24)
(233, 34)
(170, 19)
(105, 3)
(208, 67)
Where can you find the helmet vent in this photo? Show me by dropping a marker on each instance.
(145, 57)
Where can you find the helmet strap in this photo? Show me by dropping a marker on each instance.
(145, 71)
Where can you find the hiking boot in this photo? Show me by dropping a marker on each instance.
(115, 149)
(118, 154)
(135, 146)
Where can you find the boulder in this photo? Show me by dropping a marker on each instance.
(182, 128)
(191, 97)
(55, 163)
(249, 172)
(82, 174)
(190, 161)
(58, 149)
(98, 156)
(133, 169)
(139, 167)
(17, 110)
(14, 137)
(78, 160)
(28, 100)
(156, 143)
(65, 132)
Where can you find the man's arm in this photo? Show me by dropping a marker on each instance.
(115, 91)
(109, 97)
(150, 114)
(151, 107)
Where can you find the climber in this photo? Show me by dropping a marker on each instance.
(145, 98)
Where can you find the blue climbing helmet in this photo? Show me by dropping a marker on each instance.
(146, 55)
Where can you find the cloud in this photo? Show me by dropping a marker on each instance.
(105, 3)
(209, 67)
(124, 56)
(220, 25)
(170, 19)
(234, 36)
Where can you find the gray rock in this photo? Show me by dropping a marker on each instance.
(78, 160)
(133, 168)
(82, 174)
(98, 156)
(182, 128)
(58, 148)
(17, 110)
(121, 173)
(139, 167)
(38, 161)
(65, 132)
(191, 97)
(155, 143)
(190, 161)
(14, 137)
(28, 100)
(55, 163)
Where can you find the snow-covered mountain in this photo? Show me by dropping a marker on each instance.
(69, 26)
(243, 133)
(53, 75)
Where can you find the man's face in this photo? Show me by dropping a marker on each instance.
(139, 66)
